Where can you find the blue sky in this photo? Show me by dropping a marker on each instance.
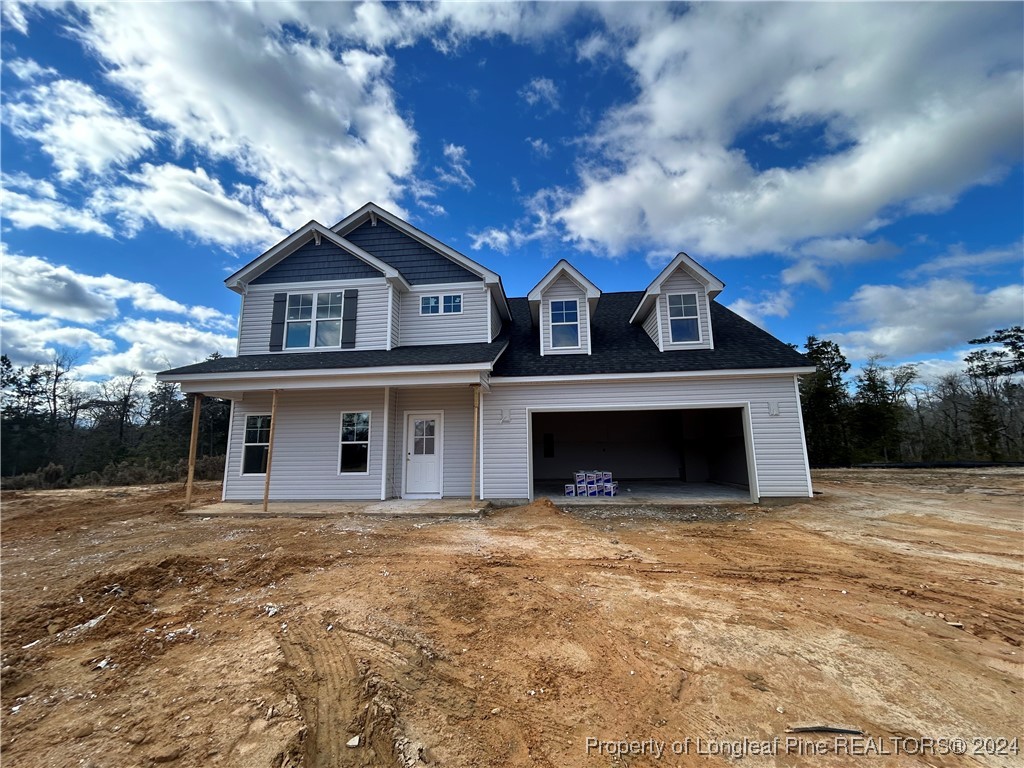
(852, 171)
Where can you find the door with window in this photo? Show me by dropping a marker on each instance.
(423, 454)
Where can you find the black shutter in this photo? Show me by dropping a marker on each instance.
(348, 319)
(277, 322)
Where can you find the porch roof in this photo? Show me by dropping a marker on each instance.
(413, 356)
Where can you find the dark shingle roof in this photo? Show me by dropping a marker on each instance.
(432, 354)
(618, 347)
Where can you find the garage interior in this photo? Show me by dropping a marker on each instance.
(658, 456)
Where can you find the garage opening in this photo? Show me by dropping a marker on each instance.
(660, 456)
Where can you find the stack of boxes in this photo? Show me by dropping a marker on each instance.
(592, 483)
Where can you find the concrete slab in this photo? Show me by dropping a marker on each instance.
(667, 492)
(393, 507)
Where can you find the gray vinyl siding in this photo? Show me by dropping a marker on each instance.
(457, 405)
(325, 261)
(396, 317)
(495, 319)
(682, 282)
(779, 456)
(258, 307)
(468, 327)
(418, 263)
(563, 289)
(651, 323)
(307, 441)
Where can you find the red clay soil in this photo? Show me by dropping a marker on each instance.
(891, 602)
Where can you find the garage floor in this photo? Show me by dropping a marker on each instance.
(649, 492)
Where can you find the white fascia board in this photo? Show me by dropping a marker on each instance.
(497, 381)
(266, 380)
(446, 287)
(240, 279)
(298, 287)
(713, 284)
(563, 267)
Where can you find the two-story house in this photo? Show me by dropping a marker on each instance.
(375, 361)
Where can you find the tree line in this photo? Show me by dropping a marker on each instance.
(57, 430)
(889, 414)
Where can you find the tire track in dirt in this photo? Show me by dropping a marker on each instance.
(327, 681)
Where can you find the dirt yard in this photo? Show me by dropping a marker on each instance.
(891, 602)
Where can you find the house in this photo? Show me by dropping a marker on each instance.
(379, 362)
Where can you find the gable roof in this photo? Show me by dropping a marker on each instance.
(623, 348)
(563, 267)
(371, 212)
(714, 285)
(312, 230)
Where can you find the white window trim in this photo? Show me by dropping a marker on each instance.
(552, 324)
(440, 304)
(313, 320)
(245, 444)
(668, 311)
(342, 443)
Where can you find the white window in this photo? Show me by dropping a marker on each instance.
(313, 319)
(565, 323)
(256, 444)
(355, 443)
(449, 304)
(682, 317)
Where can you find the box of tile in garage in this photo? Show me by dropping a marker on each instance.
(581, 489)
(580, 476)
(591, 477)
(570, 489)
(611, 489)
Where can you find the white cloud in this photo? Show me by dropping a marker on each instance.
(542, 91)
(13, 14)
(155, 345)
(29, 70)
(80, 130)
(815, 256)
(908, 122)
(40, 209)
(314, 124)
(457, 173)
(539, 146)
(33, 340)
(593, 47)
(908, 320)
(537, 225)
(659, 259)
(186, 202)
(958, 260)
(34, 285)
(770, 304)
(493, 238)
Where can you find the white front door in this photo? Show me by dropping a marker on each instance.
(423, 454)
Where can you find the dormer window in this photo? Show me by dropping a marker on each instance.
(565, 324)
(313, 319)
(682, 315)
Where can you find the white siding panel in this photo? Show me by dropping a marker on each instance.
(457, 404)
(495, 320)
(682, 281)
(307, 441)
(780, 458)
(651, 324)
(258, 308)
(468, 327)
(562, 289)
(396, 317)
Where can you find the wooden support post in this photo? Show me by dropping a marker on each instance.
(476, 437)
(193, 445)
(270, 450)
